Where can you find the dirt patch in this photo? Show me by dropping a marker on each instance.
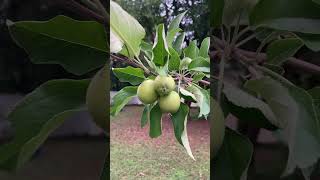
(126, 128)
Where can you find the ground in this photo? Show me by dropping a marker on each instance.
(134, 155)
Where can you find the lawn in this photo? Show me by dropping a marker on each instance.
(134, 155)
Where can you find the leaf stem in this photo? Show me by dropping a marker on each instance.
(221, 77)
(252, 36)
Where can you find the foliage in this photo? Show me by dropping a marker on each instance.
(263, 97)
(161, 59)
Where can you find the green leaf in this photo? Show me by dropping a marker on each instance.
(174, 60)
(315, 93)
(171, 35)
(179, 120)
(160, 47)
(187, 95)
(233, 159)
(127, 28)
(217, 130)
(204, 48)
(129, 74)
(216, 12)
(316, 1)
(63, 41)
(192, 50)
(289, 15)
(294, 105)
(235, 8)
(200, 64)
(122, 98)
(155, 121)
(177, 45)
(248, 108)
(147, 49)
(280, 50)
(275, 68)
(312, 41)
(176, 22)
(38, 115)
(145, 115)
(203, 99)
(198, 76)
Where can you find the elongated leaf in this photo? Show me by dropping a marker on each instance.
(187, 95)
(233, 159)
(198, 76)
(171, 35)
(200, 64)
(179, 120)
(63, 41)
(145, 115)
(315, 93)
(160, 47)
(122, 98)
(216, 12)
(129, 74)
(127, 28)
(279, 51)
(176, 21)
(299, 15)
(312, 41)
(217, 130)
(177, 45)
(248, 108)
(38, 115)
(147, 49)
(155, 121)
(192, 50)
(298, 109)
(203, 99)
(174, 61)
(204, 48)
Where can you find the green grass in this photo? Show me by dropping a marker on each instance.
(142, 161)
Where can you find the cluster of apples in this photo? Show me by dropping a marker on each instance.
(162, 89)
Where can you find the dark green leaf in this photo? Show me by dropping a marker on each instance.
(233, 159)
(204, 48)
(160, 48)
(122, 98)
(295, 106)
(155, 121)
(315, 93)
(192, 50)
(275, 68)
(200, 64)
(145, 115)
(129, 74)
(217, 130)
(38, 115)
(216, 12)
(312, 41)
(174, 60)
(176, 22)
(177, 45)
(248, 108)
(63, 41)
(280, 50)
(179, 120)
(289, 15)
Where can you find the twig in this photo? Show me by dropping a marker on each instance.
(131, 62)
(82, 10)
(221, 77)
